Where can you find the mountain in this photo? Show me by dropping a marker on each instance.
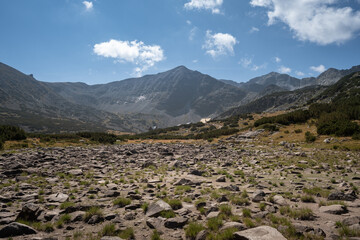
(284, 81)
(333, 75)
(31, 104)
(180, 95)
(276, 101)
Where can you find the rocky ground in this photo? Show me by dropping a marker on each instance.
(237, 188)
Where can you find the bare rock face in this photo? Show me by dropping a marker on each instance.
(280, 200)
(259, 233)
(157, 207)
(16, 229)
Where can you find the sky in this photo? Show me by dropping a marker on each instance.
(100, 41)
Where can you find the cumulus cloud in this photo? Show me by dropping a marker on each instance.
(300, 74)
(318, 21)
(219, 44)
(88, 5)
(285, 70)
(320, 69)
(144, 56)
(213, 5)
(277, 59)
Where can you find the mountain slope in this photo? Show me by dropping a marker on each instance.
(179, 94)
(276, 101)
(36, 107)
(332, 75)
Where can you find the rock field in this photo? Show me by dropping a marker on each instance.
(238, 188)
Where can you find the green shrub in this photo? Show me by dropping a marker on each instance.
(309, 137)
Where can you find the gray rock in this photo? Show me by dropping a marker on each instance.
(259, 233)
(258, 196)
(157, 207)
(279, 200)
(351, 220)
(75, 172)
(16, 229)
(237, 225)
(334, 209)
(58, 197)
(30, 212)
(221, 179)
(176, 222)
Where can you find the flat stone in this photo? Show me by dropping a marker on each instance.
(259, 233)
(176, 222)
(58, 197)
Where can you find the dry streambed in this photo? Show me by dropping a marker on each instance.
(235, 189)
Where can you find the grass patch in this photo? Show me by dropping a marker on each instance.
(317, 191)
(167, 214)
(174, 203)
(122, 202)
(193, 229)
(214, 223)
(92, 212)
(307, 199)
(65, 205)
(300, 214)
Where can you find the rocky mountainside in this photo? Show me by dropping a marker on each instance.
(181, 95)
(31, 104)
(333, 75)
(276, 101)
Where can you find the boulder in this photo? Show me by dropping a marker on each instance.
(30, 212)
(258, 196)
(334, 209)
(221, 179)
(279, 200)
(157, 207)
(16, 229)
(259, 233)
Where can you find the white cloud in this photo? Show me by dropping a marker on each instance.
(219, 44)
(300, 74)
(188, 22)
(254, 29)
(277, 59)
(248, 63)
(144, 56)
(213, 5)
(88, 5)
(195, 61)
(285, 70)
(320, 69)
(192, 33)
(318, 21)
(260, 3)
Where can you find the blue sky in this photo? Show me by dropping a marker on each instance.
(100, 41)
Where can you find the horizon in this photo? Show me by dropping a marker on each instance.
(97, 42)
